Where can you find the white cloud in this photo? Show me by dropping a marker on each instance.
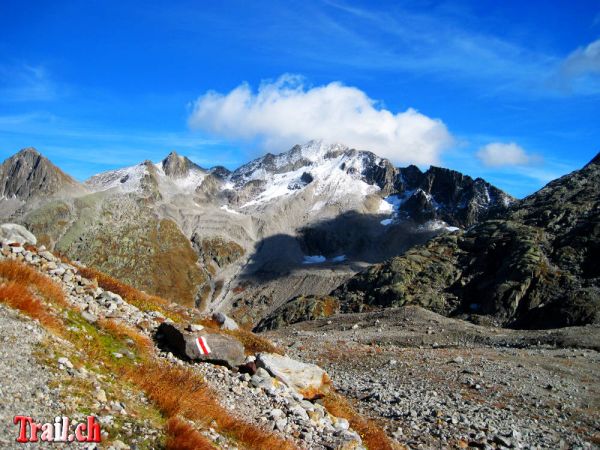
(284, 112)
(497, 154)
(583, 60)
(580, 71)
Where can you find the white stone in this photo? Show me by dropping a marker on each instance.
(225, 322)
(306, 379)
(276, 413)
(46, 255)
(341, 424)
(13, 232)
(101, 396)
(65, 362)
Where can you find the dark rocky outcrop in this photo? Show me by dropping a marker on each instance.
(299, 309)
(220, 172)
(447, 195)
(379, 171)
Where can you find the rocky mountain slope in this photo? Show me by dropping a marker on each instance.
(533, 266)
(98, 347)
(87, 344)
(447, 195)
(307, 219)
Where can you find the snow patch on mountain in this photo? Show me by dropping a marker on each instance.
(385, 206)
(315, 259)
(127, 179)
(226, 208)
(333, 170)
(435, 225)
(391, 204)
(340, 258)
(319, 259)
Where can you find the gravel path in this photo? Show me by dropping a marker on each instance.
(24, 382)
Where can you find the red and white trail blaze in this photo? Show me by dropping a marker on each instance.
(202, 345)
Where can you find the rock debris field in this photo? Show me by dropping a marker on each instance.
(438, 389)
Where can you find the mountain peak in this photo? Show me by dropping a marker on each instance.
(318, 149)
(177, 166)
(27, 174)
(173, 155)
(28, 151)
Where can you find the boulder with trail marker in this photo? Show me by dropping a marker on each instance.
(202, 346)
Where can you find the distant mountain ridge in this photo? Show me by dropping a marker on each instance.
(309, 218)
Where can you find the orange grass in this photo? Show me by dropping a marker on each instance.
(182, 436)
(179, 391)
(22, 274)
(372, 435)
(17, 296)
(141, 300)
(252, 342)
(175, 391)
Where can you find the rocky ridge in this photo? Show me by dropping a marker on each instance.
(446, 195)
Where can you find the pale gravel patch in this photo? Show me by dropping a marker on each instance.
(24, 381)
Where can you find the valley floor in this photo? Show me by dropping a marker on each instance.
(436, 382)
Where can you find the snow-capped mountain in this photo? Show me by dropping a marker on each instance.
(316, 175)
(332, 171)
(175, 172)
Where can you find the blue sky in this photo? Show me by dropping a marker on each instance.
(509, 91)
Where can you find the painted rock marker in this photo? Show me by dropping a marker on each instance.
(202, 345)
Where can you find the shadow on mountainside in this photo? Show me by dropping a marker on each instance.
(348, 241)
